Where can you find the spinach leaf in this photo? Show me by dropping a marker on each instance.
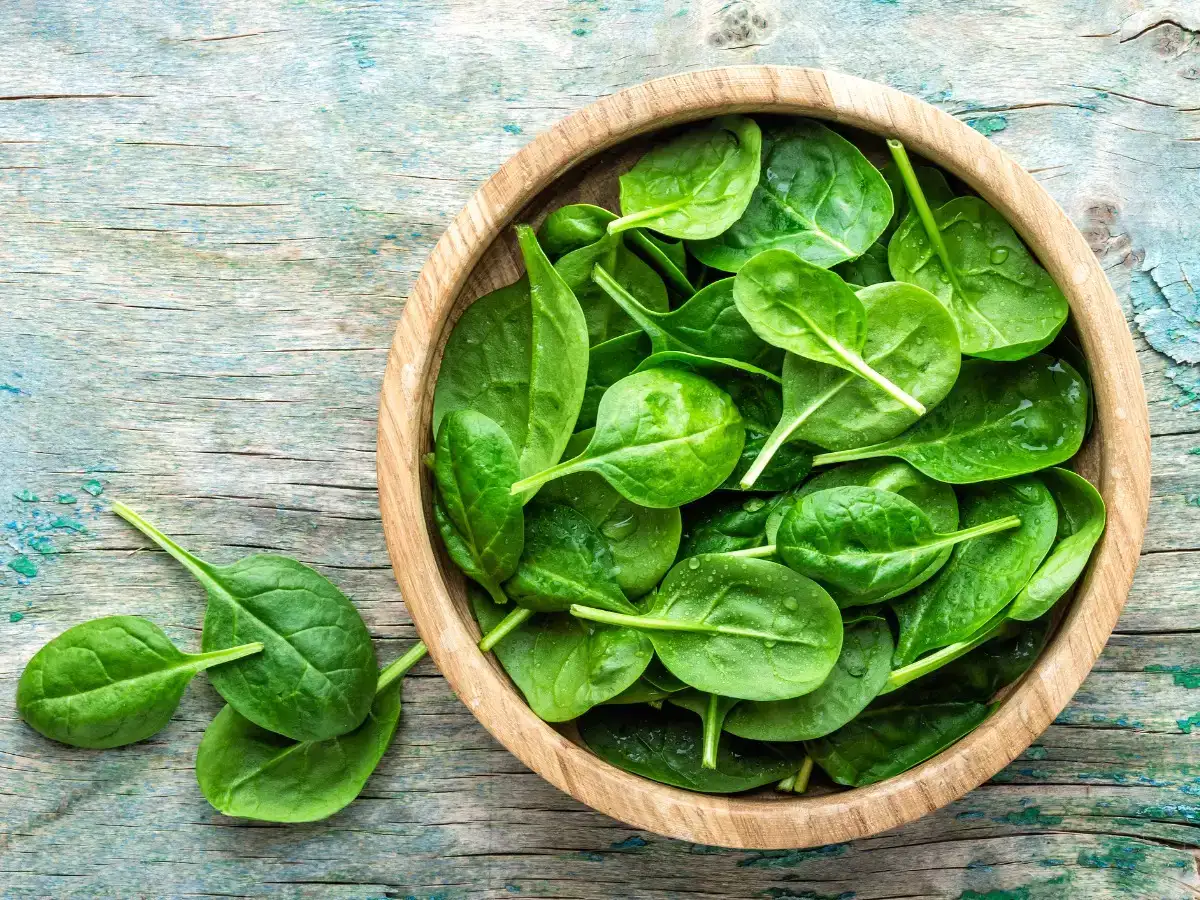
(884, 742)
(608, 363)
(643, 541)
(911, 340)
(481, 522)
(663, 438)
(669, 259)
(1006, 305)
(761, 406)
(315, 678)
(571, 227)
(565, 561)
(564, 666)
(712, 710)
(818, 197)
(739, 627)
(655, 684)
(860, 673)
(519, 356)
(863, 543)
(999, 420)
(696, 185)
(110, 682)
(983, 574)
(933, 184)
(665, 746)
(870, 268)
(811, 312)
(1081, 517)
(714, 366)
(724, 523)
(247, 771)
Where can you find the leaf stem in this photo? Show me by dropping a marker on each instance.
(506, 626)
(934, 661)
(539, 478)
(713, 720)
(624, 223)
(189, 561)
(797, 783)
(227, 654)
(665, 265)
(398, 668)
(631, 306)
(916, 197)
(966, 534)
(763, 552)
(649, 623)
(837, 456)
(881, 381)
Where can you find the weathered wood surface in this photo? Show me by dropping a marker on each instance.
(211, 215)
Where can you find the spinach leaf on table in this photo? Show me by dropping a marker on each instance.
(696, 185)
(608, 363)
(1081, 518)
(665, 746)
(110, 682)
(712, 710)
(811, 312)
(643, 541)
(999, 420)
(883, 742)
(1005, 304)
(818, 197)
(724, 523)
(983, 574)
(315, 678)
(564, 666)
(863, 543)
(663, 438)
(911, 340)
(857, 678)
(565, 561)
(480, 520)
(739, 627)
(247, 771)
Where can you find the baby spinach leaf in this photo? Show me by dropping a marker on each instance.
(519, 356)
(1081, 518)
(663, 438)
(882, 743)
(655, 684)
(739, 627)
(608, 363)
(983, 574)
(315, 678)
(999, 420)
(110, 682)
(859, 674)
(475, 466)
(669, 259)
(571, 227)
(665, 746)
(724, 523)
(252, 773)
(911, 340)
(696, 185)
(713, 366)
(1005, 304)
(811, 312)
(643, 541)
(564, 666)
(712, 710)
(818, 197)
(761, 406)
(565, 561)
(862, 543)
(870, 268)
(933, 185)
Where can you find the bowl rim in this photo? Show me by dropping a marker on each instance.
(1116, 458)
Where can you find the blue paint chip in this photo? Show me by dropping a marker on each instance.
(989, 125)
(512, 129)
(630, 843)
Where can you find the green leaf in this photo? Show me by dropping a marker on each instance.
(739, 627)
(984, 574)
(571, 227)
(663, 438)
(999, 420)
(882, 743)
(933, 185)
(565, 561)
(475, 466)
(870, 268)
(857, 678)
(315, 678)
(564, 666)
(696, 185)
(911, 340)
(110, 682)
(1081, 517)
(761, 405)
(666, 747)
(818, 197)
(724, 523)
(608, 363)
(712, 710)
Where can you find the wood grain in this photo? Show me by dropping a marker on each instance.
(1117, 457)
(202, 272)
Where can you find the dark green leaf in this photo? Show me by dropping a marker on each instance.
(870, 268)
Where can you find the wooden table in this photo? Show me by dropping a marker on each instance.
(211, 215)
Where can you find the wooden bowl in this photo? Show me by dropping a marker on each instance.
(578, 159)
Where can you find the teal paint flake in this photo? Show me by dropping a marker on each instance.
(1037, 751)
(970, 815)
(1044, 889)
(632, 842)
(512, 888)
(589, 856)
(1029, 816)
(580, 32)
(787, 859)
(93, 487)
(1186, 380)
(512, 129)
(1186, 725)
(26, 496)
(1050, 862)
(15, 617)
(12, 389)
(23, 565)
(1195, 451)
(43, 544)
(989, 125)
(1124, 857)
(66, 499)
(1173, 811)
(789, 894)
(73, 524)
(1185, 677)
(1167, 310)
